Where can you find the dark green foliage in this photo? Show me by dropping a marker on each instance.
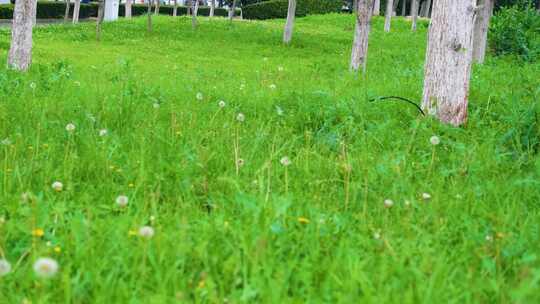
(278, 8)
(516, 31)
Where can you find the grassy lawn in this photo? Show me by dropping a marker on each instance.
(232, 223)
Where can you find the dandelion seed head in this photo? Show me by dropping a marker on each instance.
(199, 96)
(489, 238)
(70, 127)
(272, 86)
(146, 232)
(57, 186)
(279, 111)
(388, 203)
(5, 267)
(103, 132)
(221, 104)
(240, 162)
(46, 267)
(376, 235)
(240, 117)
(435, 140)
(285, 161)
(155, 105)
(426, 196)
(122, 201)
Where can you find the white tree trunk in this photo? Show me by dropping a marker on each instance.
(377, 8)
(76, 10)
(99, 20)
(20, 51)
(426, 7)
(449, 60)
(128, 9)
(232, 11)
(394, 7)
(291, 12)
(149, 16)
(66, 12)
(212, 8)
(361, 35)
(414, 14)
(481, 26)
(388, 16)
(194, 14)
(156, 11)
(404, 8)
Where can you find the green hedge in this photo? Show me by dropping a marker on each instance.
(55, 10)
(278, 8)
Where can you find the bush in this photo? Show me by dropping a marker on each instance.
(278, 8)
(516, 31)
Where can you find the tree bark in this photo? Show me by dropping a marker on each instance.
(355, 6)
(156, 11)
(212, 8)
(423, 9)
(232, 11)
(149, 17)
(76, 10)
(481, 26)
(395, 6)
(99, 19)
(388, 16)
(377, 8)
(449, 60)
(404, 8)
(66, 12)
(426, 7)
(188, 7)
(361, 36)
(20, 51)
(289, 25)
(414, 13)
(194, 15)
(128, 9)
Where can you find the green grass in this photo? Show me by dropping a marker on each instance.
(313, 232)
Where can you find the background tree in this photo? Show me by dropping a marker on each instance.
(156, 11)
(481, 26)
(449, 60)
(291, 11)
(232, 10)
(388, 16)
(76, 11)
(194, 14)
(128, 9)
(376, 7)
(149, 17)
(20, 50)
(212, 8)
(66, 12)
(99, 20)
(361, 35)
(403, 7)
(414, 14)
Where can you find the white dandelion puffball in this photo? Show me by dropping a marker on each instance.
(122, 201)
(435, 140)
(272, 86)
(45, 267)
(70, 127)
(376, 235)
(33, 85)
(285, 161)
(279, 111)
(240, 117)
(426, 196)
(221, 104)
(432, 111)
(146, 232)
(156, 105)
(489, 238)
(199, 96)
(407, 202)
(5, 267)
(240, 162)
(57, 186)
(103, 132)
(388, 203)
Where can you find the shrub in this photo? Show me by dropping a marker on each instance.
(516, 31)
(278, 8)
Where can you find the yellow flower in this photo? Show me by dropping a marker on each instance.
(57, 249)
(132, 232)
(303, 220)
(38, 232)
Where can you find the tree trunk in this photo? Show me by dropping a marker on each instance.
(188, 7)
(388, 16)
(404, 8)
(481, 25)
(156, 11)
(128, 9)
(76, 10)
(291, 12)
(449, 60)
(194, 15)
(66, 12)
(414, 13)
(149, 17)
(423, 9)
(355, 6)
(212, 8)
(20, 51)
(395, 6)
(175, 8)
(232, 11)
(426, 7)
(361, 36)
(377, 8)
(99, 19)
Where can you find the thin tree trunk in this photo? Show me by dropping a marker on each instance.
(212, 8)
(428, 9)
(76, 10)
(232, 11)
(377, 8)
(149, 17)
(355, 6)
(449, 60)
(99, 20)
(481, 25)
(388, 16)
(128, 9)
(66, 12)
(175, 8)
(404, 8)
(20, 51)
(156, 11)
(361, 36)
(289, 25)
(194, 15)
(395, 6)
(414, 13)
(188, 7)
(423, 9)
